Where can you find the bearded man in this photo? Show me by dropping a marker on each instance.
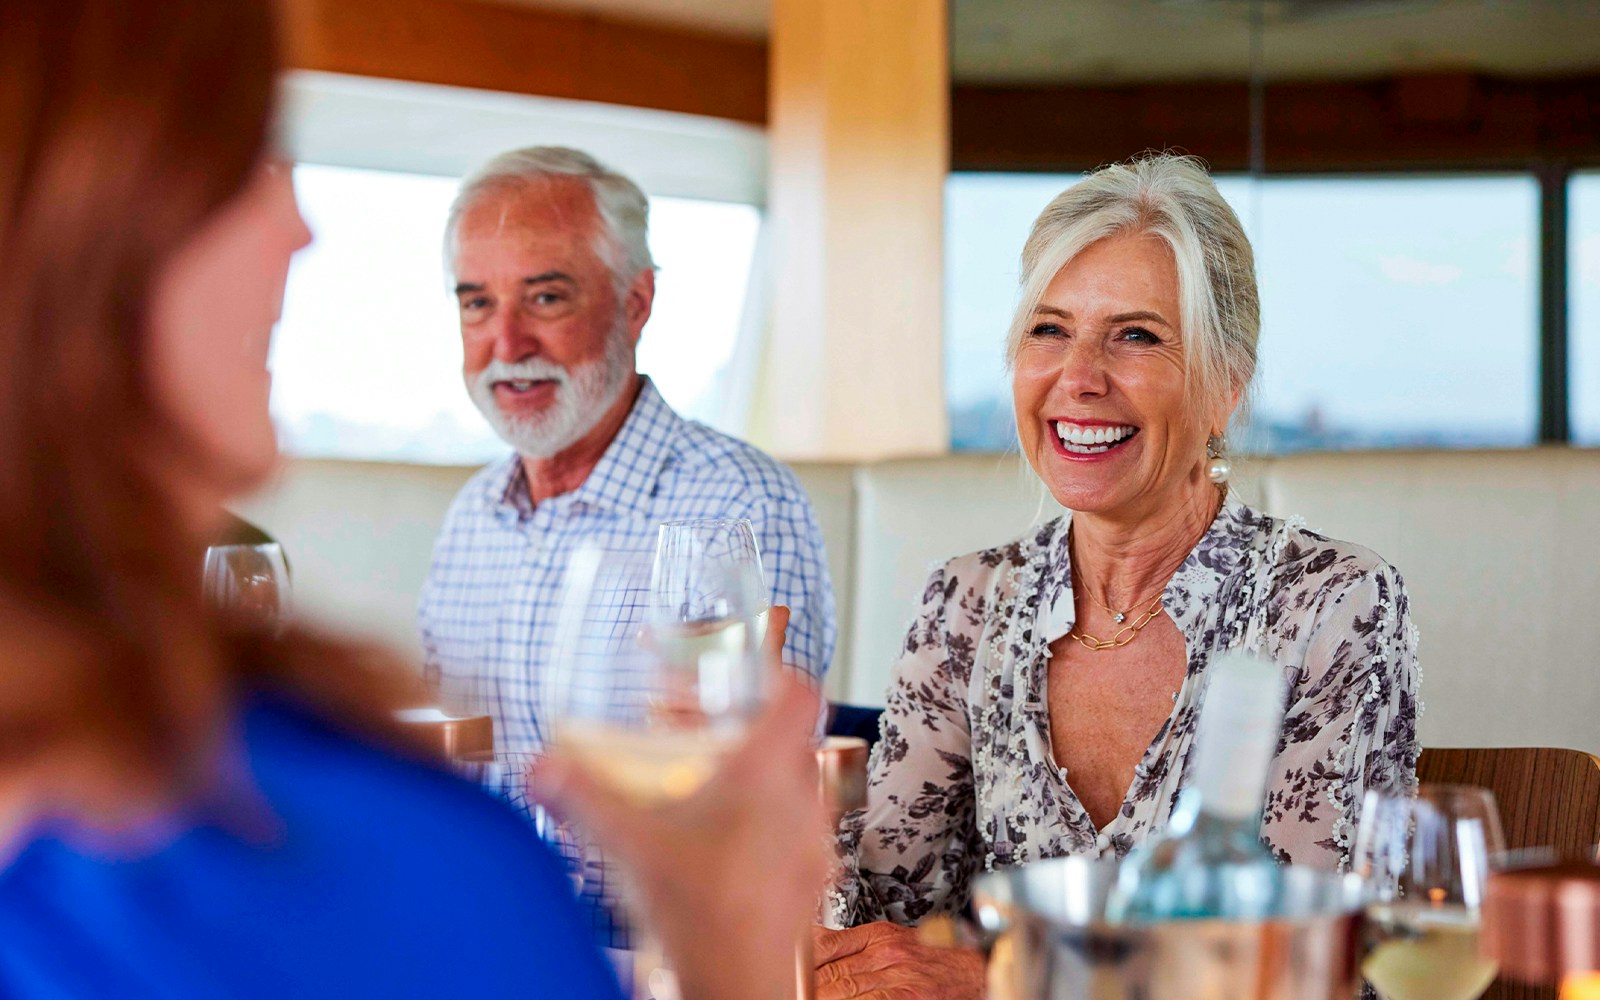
(553, 275)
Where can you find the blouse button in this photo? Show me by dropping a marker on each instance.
(1103, 842)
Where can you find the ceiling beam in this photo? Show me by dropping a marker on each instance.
(1454, 121)
(1433, 122)
(530, 51)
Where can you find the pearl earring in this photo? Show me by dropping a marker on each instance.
(1217, 470)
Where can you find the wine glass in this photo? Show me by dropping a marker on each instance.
(707, 578)
(1425, 861)
(649, 691)
(249, 584)
(651, 682)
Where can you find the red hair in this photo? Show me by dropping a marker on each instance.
(128, 123)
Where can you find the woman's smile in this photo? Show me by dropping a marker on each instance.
(1079, 440)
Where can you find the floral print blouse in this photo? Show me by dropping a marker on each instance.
(964, 780)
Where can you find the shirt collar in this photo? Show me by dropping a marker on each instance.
(626, 476)
(1215, 559)
(1188, 595)
(505, 491)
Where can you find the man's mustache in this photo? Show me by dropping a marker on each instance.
(532, 370)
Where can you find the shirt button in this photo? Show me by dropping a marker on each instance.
(1103, 842)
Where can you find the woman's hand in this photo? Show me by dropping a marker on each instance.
(884, 961)
(730, 876)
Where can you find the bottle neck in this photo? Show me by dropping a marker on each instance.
(1236, 739)
(1193, 814)
(1230, 777)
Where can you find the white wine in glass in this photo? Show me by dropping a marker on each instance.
(648, 766)
(649, 694)
(645, 699)
(1425, 861)
(1425, 952)
(689, 642)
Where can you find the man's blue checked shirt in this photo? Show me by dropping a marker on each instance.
(489, 609)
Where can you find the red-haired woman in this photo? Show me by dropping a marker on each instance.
(191, 810)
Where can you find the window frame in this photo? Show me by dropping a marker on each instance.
(1553, 176)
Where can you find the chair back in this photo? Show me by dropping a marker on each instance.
(854, 720)
(1548, 797)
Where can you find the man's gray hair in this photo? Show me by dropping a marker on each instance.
(1171, 197)
(623, 241)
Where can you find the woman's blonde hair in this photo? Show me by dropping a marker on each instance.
(1173, 198)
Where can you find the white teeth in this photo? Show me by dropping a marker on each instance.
(1085, 449)
(1091, 440)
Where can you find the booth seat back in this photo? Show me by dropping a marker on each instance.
(1499, 550)
(360, 537)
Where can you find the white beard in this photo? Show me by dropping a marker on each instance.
(584, 393)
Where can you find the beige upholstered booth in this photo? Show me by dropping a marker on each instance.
(1499, 550)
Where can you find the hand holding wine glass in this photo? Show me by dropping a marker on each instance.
(649, 691)
(729, 875)
(659, 673)
(1425, 859)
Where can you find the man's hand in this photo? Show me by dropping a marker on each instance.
(884, 961)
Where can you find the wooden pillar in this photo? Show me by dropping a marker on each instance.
(859, 113)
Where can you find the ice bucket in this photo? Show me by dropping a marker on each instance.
(1052, 942)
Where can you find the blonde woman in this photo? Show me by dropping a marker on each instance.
(1046, 701)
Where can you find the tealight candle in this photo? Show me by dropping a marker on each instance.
(1581, 986)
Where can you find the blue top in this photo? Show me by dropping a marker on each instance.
(370, 877)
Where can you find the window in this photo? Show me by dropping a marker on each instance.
(1583, 295)
(987, 217)
(367, 360)
(1396, 311)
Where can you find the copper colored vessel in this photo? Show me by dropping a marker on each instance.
(452, 737)
(842, 784)
(1542, 922)
(842, 774)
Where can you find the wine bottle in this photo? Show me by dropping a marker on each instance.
(1210, 863)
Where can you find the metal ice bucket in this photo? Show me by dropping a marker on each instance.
(1054, 944)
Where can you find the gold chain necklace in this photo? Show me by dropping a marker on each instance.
(1117, 616)
(1125, 634)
